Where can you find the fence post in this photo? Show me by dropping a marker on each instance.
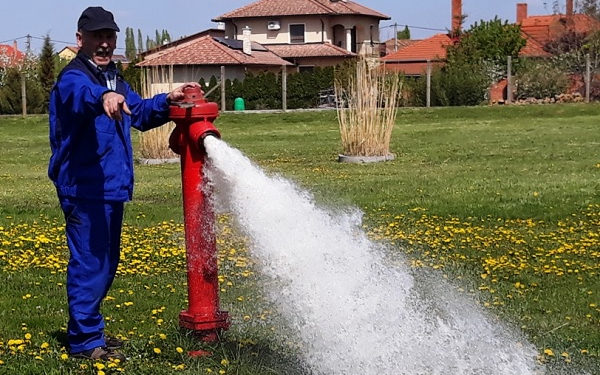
(23, 94)
(509, 79)
(284, 87)
(223, 87)
(588, 77)
(428, 83)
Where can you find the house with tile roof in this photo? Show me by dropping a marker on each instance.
(10, 56)
(69, 52)
(202, 55)
(308, 33)
(536, 30)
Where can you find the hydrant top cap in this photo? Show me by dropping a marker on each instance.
(193, 95)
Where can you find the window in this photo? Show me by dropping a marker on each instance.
(296, 34)
(306, 68)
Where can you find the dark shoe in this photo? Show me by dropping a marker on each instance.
(113, 343)
(100, 353)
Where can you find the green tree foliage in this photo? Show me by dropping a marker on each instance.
(540, 78)
(404, 34)
(47, 69)
(10, 91)
(589, 7)
(263, 90)
(165, 37)
(130, 49)
(140, 43)
(133, 75)
(572, 47)
(488, 41)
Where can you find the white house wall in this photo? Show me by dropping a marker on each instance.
(317, 30)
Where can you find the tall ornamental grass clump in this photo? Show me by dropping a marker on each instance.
(154, 144)
(367, 100)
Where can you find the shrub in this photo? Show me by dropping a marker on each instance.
(540, 79)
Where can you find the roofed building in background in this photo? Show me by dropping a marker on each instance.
(536, 30)
(544, 29)
(202, 56)
(69, 52)
(10, 56)
(308, 33)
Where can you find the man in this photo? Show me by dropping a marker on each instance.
(91, 112)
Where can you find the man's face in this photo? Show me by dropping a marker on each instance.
(98, 45)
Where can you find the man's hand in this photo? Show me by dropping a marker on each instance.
(177, 94)
(113, 104)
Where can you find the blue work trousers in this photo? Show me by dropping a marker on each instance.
(93, 230)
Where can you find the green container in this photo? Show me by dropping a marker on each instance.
(239, 105)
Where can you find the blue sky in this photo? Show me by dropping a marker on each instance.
(58, 18)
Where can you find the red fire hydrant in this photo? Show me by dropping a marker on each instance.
(194, 118)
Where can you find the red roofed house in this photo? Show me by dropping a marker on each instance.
(309, 33)
(10, 56)
(203, 54)
(69, 52)
(537, 30)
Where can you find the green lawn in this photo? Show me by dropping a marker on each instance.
(502, 200)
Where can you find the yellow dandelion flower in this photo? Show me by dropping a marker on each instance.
(224, 362)
(100, 372)
(549, 352)
(99, 366)
(44, 345)
(179, 350)
(157, 350)
(28, 336)
(64, 356)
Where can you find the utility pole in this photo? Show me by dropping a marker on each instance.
(395, 37)
(23, 76)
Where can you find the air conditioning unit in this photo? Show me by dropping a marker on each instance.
(273, 25)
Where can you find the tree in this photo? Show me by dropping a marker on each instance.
(490, 41)
(165, 37)
(404, 34)
(588, 7)
(140, 43)
(46, 69)
(130, 50)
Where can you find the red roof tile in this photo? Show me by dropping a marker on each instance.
(10, 56)
(208, 51)
(532, 48)
(546, 28)
(276, 8)
(433, 48)
(309, 50)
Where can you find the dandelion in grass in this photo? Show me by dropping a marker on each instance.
(179, 350)
(157, 350)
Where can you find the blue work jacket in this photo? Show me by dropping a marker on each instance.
(92, 157)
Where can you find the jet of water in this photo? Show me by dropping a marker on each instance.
(353, 310)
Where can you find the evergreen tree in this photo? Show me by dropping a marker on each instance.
(46, 69)
(404, 34)
(166, 38)
(130, 50)
(140, 43)
(158, 38)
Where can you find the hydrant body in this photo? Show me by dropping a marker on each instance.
(194, 118)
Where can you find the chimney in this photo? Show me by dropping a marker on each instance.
(521, 12)
(457, 15)
(569, 8)
(246, 42)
